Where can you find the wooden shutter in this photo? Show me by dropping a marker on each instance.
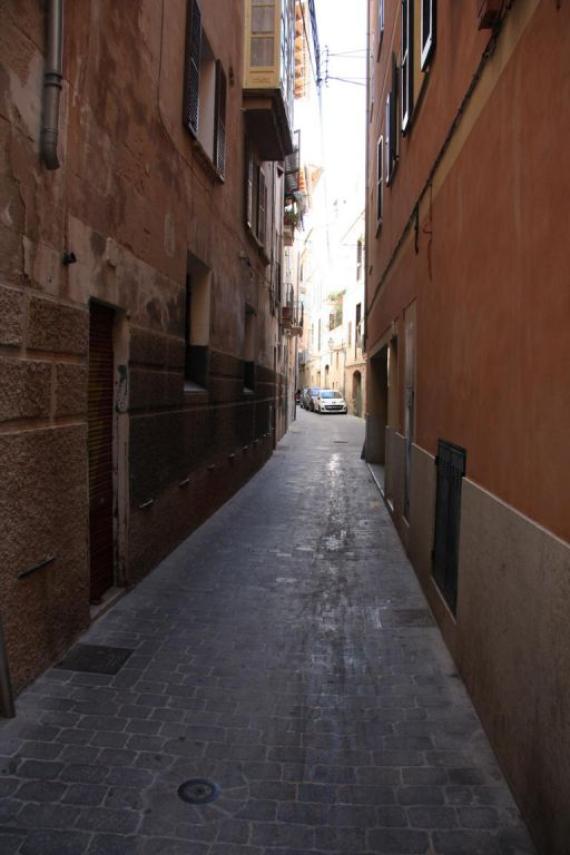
(220, 120)
(192, 67)
(261, 207)
(100, 450)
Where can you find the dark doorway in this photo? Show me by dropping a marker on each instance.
(357, 393)
(450, 463)
(100, 448)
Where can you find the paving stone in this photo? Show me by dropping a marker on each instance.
(41, 791)
(54, 843)
(39, 769)
(398, 841)
(107, 819)
(466, 842)
(82, 773)
(259, 665)
(114, 844)
(420, 795)
(47, 816)
(84, 795)
(259, 809)
(10, 842)
(478, 817)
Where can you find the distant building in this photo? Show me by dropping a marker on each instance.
(143, 372)
(467, 330)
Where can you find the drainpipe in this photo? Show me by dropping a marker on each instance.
(6, 700)
(52, 84)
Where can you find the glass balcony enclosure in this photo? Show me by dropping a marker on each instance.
(269, 75)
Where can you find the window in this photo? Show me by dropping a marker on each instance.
(358, 259)
(390, 130)
(350, 333)
(358, 326)
(205, 91)
(197, 324)
(407, 62)
(379, 180)
(451, 463)
(255, 197)
(263, 33)
(428, 32)
(380, 24)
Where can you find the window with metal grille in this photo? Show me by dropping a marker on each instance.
(428, 31)
(407, 62)
(192, 66)
(390, 126)
(205, 91)
(451, 463)
(379, 180)
(380, 25)
(220, 119)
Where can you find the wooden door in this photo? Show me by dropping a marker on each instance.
(100, 446)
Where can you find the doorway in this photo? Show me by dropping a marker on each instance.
(357, 393)
(377, 409)
(100, 436)
(409, 402)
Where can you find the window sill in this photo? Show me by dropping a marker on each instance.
(261, 251)
(206, 161)
(191, 388)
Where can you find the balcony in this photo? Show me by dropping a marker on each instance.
(269, 76)
(292, 317)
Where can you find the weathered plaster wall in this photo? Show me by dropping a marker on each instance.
(133, 196)
(488, 271)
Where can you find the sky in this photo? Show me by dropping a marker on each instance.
(342, 32)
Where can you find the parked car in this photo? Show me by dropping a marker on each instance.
(329, 401)
(309, 398)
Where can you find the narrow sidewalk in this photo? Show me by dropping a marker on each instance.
(284, 658)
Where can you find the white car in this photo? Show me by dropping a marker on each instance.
(329, 401)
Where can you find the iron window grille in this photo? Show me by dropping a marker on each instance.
(428, 31)
(407, 62)
(451, 467)
(380, 25)
(379, 180)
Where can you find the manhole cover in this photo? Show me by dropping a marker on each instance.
(95, 659)
(198, 791)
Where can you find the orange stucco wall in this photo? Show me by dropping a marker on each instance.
(491, 280)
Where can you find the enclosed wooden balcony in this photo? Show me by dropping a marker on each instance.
(269, 76)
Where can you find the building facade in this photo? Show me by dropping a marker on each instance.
(142, 373)
(467, 317)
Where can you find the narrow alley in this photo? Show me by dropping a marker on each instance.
(285, 661)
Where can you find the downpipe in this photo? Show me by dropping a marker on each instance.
(53, 76)
(7, 709)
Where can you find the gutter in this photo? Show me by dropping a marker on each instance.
(52, 84)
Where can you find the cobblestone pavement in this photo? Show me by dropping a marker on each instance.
(285, 653)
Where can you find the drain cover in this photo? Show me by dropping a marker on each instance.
(95, 659)
(198, 791)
